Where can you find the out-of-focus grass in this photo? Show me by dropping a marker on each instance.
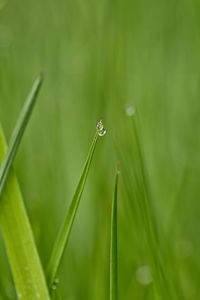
(97, 58)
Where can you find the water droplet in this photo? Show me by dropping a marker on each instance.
(143, 275)
(99, 125)
(130, 110)
(19, 296)
(100, 128)
(38, 295)
(54, 287)
(101, 133)
(56, 280)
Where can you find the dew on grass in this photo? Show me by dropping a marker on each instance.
(56, 280)
(100, 128)
(130, 110)
(143, 275)
(38, 295)
(19, 296)
(54, 287)
(103, 132)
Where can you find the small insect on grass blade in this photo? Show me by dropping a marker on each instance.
(64, 233)
(113, 245)
(18, 131)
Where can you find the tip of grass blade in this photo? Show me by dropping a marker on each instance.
(19, 131)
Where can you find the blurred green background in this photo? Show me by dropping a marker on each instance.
(98, 57)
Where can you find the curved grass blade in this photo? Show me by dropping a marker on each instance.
(64, 233)
(113, 246)
(22, 253)
(18, 131)
(20, 246)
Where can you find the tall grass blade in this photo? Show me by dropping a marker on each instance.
(113, 246)
(18, 131)
(147, 210)
(20, 246)
(22, 254)
(64, 233)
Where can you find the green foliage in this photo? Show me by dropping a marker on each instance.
(113, 246)
(19, 131)
(22, 253)
(101, 58)
(21, 249)
(65, 229)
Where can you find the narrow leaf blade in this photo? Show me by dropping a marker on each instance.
(64, 233)
(20, 246)
(19, 131)
(113, 246)
(22, 253)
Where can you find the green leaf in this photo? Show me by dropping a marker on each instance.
(20, 246)
(18, 131)
(64, 233)
(113, 246)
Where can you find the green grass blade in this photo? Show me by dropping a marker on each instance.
(18, 131)
(113, 246)
(20, 246)
(64, 233)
